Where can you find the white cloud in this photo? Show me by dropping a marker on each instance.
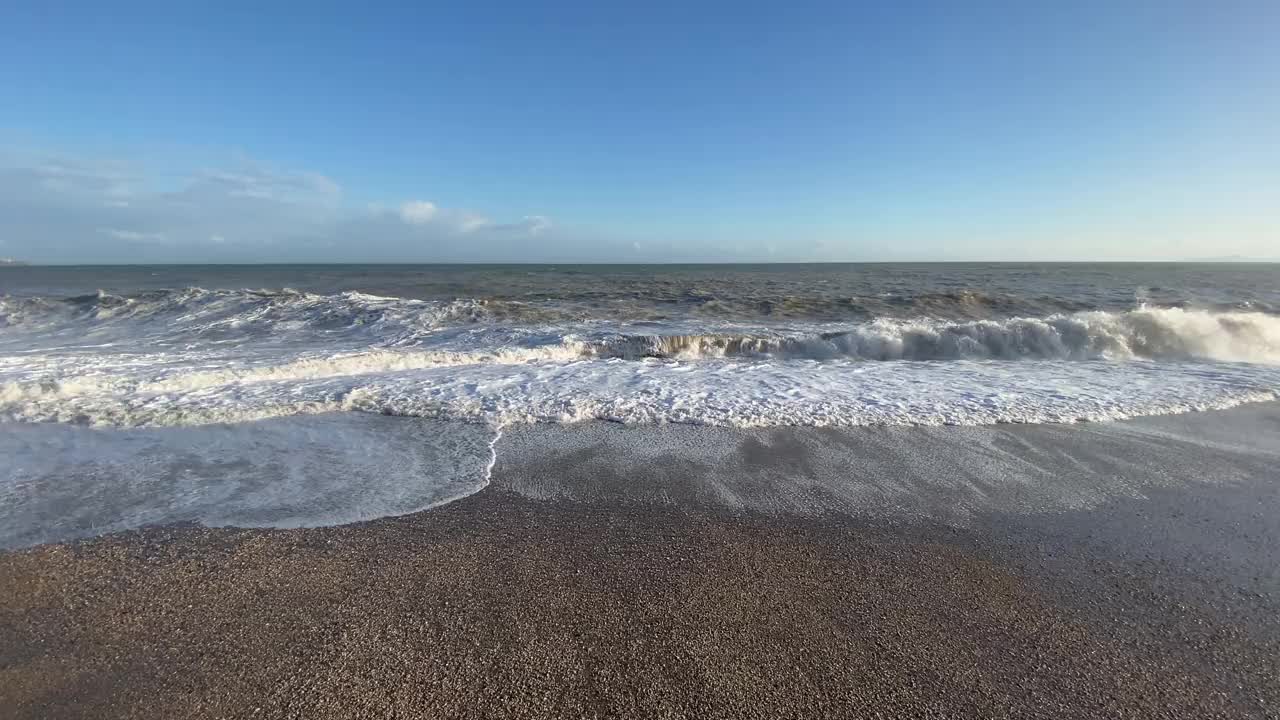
(470, 222)
(132, 235)
(72, 178)
(423, 212)
(418, 212)
(527, 225)
(536, 224)
(256, 182)
(82, 211)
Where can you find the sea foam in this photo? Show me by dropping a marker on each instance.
(204, 356)
(258, 407)
(66, 482)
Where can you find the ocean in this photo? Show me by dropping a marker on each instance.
(251, 395)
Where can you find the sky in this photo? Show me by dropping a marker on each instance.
(639, 132)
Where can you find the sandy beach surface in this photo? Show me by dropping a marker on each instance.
(1101, 570)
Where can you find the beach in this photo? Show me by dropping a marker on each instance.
(640, 361)
(1084, 570)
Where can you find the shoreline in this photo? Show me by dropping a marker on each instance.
(1116, 568)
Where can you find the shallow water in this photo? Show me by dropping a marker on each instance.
(485, 346)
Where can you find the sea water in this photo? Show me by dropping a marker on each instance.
(135, 395)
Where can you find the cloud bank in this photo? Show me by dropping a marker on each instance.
(68, 210)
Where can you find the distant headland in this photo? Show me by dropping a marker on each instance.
(10, 262)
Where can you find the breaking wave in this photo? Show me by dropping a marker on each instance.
(284, 385)
(199, 356)
(353, 321)
(213, 315)
(1147, 333)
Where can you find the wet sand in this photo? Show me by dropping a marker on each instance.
(601, 575)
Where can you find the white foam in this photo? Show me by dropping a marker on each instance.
(710, 392)
(234, 407)
(1144, 333)
(200, 356)
(180, 317)
(64, 482)
(352, 321)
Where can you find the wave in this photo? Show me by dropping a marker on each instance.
(1146, 333)
(228, 314)
(955, 305)
(1157, 334)
(287, 472)
(714, 392)
(199, 356)
(203, 314)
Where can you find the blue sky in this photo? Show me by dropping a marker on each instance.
(639, 132)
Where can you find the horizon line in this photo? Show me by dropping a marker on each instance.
(1204, 261)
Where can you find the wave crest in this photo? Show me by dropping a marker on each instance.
(1145, 333)
(220, 315)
